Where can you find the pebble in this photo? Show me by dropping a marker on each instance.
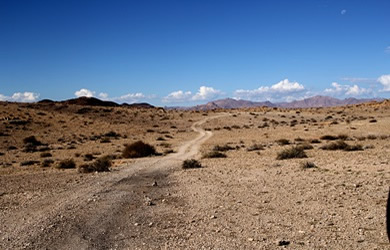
(283, 243)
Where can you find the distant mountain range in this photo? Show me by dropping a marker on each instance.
(315, 101)
(228, 103)
(92, 101)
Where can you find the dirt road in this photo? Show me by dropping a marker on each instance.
(102, 211)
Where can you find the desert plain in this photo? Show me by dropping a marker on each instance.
(250, 193)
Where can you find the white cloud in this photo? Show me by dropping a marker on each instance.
(387, 50)
(84, 92)
(20, 97)
(104, 96)
(346, 90)
(177, 96)
(130, 98)
(385, 81)
(282, 90)
(343, 12)
(204, 94)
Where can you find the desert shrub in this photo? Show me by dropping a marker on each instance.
(47, 163)
(283, 142)
(338, 145)
(28, 163)
(255, 147)
(214, 154)
(68, 163)
(343, 137)
(88, 157)
(357, 147)
(373, 121)
(223, 148)
(307, 164)
(372, 137)
(341, 145)
(112, 134)
(138, 149)
(329, 137)
(101, 164)
(299, 139)
(314, 141)
(105, 140)
(46, 154)
(293, 152)
(305, 145)
(192, 163)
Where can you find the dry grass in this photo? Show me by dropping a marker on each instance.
(290, 153)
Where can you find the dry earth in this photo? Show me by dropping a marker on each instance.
(248, 200)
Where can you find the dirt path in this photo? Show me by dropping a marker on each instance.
(97, 212)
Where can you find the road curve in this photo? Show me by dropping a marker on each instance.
(69, 221)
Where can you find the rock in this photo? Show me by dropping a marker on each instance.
(154, 184)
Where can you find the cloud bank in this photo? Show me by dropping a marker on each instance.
(347, 90)
(128, 98)
(280, 91)
(204, 94)
(20, 97)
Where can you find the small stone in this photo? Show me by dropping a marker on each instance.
(250, 239)
(150, 224)
(213, 217)
(154, 184)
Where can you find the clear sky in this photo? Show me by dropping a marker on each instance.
(188, 52)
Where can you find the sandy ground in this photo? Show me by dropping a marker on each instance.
(248, 200)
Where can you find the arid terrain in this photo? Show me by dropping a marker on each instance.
(314, 178)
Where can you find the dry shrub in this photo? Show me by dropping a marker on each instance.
(214, 154)
(223, 148)
(293, 152)
(32, 140)
(65, 164)
(283, 142)
(329, 137)
(192, 163)
(341, 145)
(255, 147)
(307, 165)
(101, 164)
(47, 163)
(46, 154)
(138, 149)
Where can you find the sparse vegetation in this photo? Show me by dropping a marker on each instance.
(101, 164)
(329, 137)
(223, 148)
(293, 152)
(307, 165)
(283, 142)
(255, 147)
(138, 149)
(65, 164)
(214, 154)
(341, 145)
(191, 163)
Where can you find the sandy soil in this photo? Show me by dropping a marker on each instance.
(248, 200)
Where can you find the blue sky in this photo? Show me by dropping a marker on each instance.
(189, 52)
